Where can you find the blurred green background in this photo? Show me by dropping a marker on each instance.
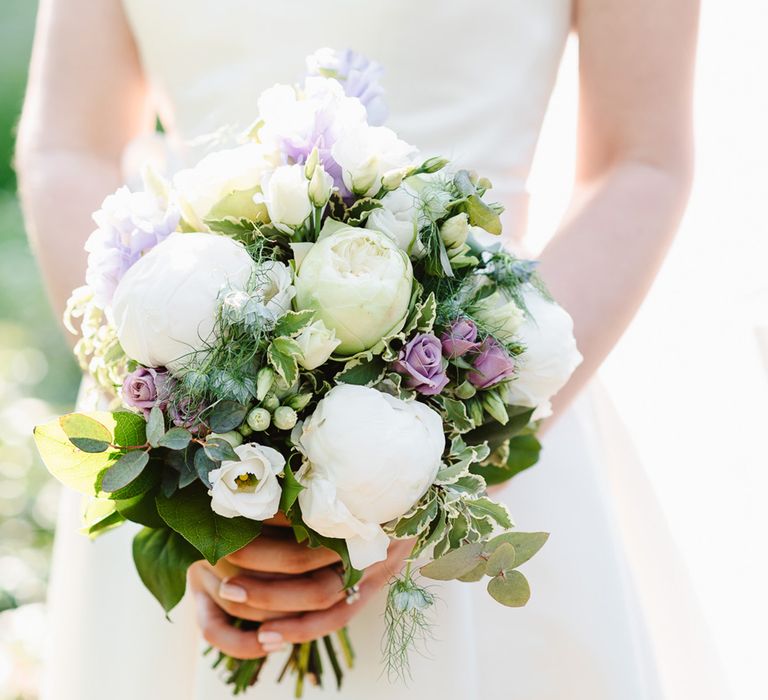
(38, 378)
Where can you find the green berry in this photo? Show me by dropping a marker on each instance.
(258, 419)
(285, 418)
(271, 402)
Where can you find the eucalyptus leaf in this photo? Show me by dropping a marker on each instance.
(124, 470)
(474, 574)
(454, 564)
(526, 544)
(86, 433)
(510, 588)
(203, 466)
(226, 416)
(176, 439)
(162, 558)
(155, 426)
(502, 559)
(218, 449)
(189, 513)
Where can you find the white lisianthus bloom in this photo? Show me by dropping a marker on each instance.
(550, 356)
(358, 282)
(165, 306)
(317, 344)
(223, 184)
(366, 153)
(248, 488)
(285, 191)
(370, 458)
(267, 296)
(399, 218)
(500, 316)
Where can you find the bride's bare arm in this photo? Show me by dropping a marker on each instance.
(634, 166)
(85, 100)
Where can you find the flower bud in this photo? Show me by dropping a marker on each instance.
(245, 430)
(264, 380)
(259, 419)
(270, 402)
(432, 165)
(454, 232)
(285, 417)
(232, 437)
(465, 390)
(311, 164)
(495, 406)
(299, 401)
(320, 187)
(392, 179)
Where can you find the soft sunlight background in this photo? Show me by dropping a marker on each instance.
(689, 381)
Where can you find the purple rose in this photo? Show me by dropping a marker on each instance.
(185, 413)
(422, 361)
(491, 366)
(146, 387)
(460, 338)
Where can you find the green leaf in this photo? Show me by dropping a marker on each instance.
(361, 210)
(282, 354)
(176, 439)
(363, 371)
(502, 559)
(411, 524)
(203, 466)
(85, 433)
(162, 558)
(189, 513)
(218, 449)
(351, 574)
(233, 227)
(80, 470)
(291, 490)
(293, 322)
(155, 426)
(526, 544)
(485, 507)
(474, 575)
(98, 515)
(524, 452)
(456, 415)
(140, 509)
(124, 470)
(482, 215)
(510, 588)
(454, 564)
(495, 434)
(226, 416)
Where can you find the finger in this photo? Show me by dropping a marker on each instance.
(282, 556)
(218, 632)
(211, 584)
(313, 625)
(318, 590)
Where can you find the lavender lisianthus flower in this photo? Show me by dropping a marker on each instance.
(358, 75)
(491, 366)
(460, 338)
(129, 224)
(146, 388)
(422, 362)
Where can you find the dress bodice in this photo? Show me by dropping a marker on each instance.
(469, 81)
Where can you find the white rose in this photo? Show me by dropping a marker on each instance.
(399, 218)
(365, 153)
(248, 488)
(286, 194)
(550, 357)
(370, 458)
(358, 282)
(500, 316)
(222, 184)
(317, 344)
(165, 306)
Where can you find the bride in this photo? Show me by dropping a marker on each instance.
(468, 80)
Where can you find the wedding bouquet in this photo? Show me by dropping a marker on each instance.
(305, 323)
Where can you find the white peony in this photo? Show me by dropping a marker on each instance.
(165, 306)
(358, 282)
(550, 357)
(317, 344)
(370, 458)
(399, 219)
(223, 184)
(366, 153)
(248, 488)
(286, 195)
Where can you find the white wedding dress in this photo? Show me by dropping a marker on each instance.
(470, 81)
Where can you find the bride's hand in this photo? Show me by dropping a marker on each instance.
(296, 591)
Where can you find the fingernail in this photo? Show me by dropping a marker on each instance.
(233, 593)
(272, 648)
(270, 638)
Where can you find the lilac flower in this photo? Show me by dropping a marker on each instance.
(186, 414)
(146, 388)
(358, 75)
(422, 361)
(460, 338)
(491, 366)
(129, 224)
